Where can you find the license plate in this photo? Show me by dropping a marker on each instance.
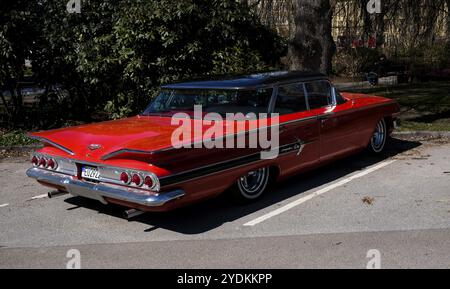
(90, 173)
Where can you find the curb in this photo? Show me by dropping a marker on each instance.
(422, 134)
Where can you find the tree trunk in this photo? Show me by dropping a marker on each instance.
(5, 103)
(367, 21)
(312, 47)
(448, 20)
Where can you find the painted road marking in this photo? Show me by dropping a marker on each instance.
(318, 193)
(39, 197)
(4, 205)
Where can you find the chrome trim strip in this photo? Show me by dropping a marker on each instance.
(333, 94)
(99, 191)
(206, 167)
(122, 151)
(305, 92)
(45, 140)
(273, 99)
(300, 120)
(192, 174)
(326, 115)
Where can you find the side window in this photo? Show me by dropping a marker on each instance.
(290, 99)
(319, 94)
(339, 98)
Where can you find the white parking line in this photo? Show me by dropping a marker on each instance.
(39, 197)
(4, 205)
(318, 193)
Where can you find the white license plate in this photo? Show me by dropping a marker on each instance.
(90, 173)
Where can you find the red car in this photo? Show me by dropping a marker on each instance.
(134, 162)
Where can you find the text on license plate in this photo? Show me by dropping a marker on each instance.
(90, 173)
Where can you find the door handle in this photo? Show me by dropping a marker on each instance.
(324, 118)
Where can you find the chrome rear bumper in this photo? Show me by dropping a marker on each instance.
(100, 191)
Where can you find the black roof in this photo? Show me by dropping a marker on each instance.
(248, 81)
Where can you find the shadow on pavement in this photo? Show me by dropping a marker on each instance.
(200, 218)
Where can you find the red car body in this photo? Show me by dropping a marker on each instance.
(178, 177)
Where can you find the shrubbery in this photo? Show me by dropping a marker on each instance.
(114, 54)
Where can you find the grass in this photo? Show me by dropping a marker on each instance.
(417, 126)
(15, 138)
(425, 106)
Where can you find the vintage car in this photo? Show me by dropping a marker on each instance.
(133, 162)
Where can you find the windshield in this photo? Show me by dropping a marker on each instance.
(169, 102)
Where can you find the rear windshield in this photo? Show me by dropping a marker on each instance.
(169, 102)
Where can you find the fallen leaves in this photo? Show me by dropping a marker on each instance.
(368, 200)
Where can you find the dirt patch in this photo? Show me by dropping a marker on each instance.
(418, 152)
(6, 154)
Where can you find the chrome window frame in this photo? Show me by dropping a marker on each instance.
(275, 96)
(332, 93)
(331, 105)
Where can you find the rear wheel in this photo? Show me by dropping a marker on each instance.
(378, 140)
(251, 185)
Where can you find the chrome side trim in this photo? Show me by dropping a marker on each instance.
(45, 140)
(207, 170)
(123, 151)
(99, 191)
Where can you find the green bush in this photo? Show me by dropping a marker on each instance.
(15, 137)
(114, 54)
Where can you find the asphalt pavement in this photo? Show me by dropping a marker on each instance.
(395, 207)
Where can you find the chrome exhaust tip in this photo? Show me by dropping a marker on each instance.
(57, 193)
(131, 213)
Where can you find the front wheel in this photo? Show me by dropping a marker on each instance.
(251, 185)
(378, 140)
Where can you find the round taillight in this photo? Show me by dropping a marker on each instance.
(136, 179)
(124, 178)
(35, 161)
(51, 163)
(148, 181)
(42, 162)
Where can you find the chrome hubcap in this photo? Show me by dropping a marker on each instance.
(378, 137)
(253, 181)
